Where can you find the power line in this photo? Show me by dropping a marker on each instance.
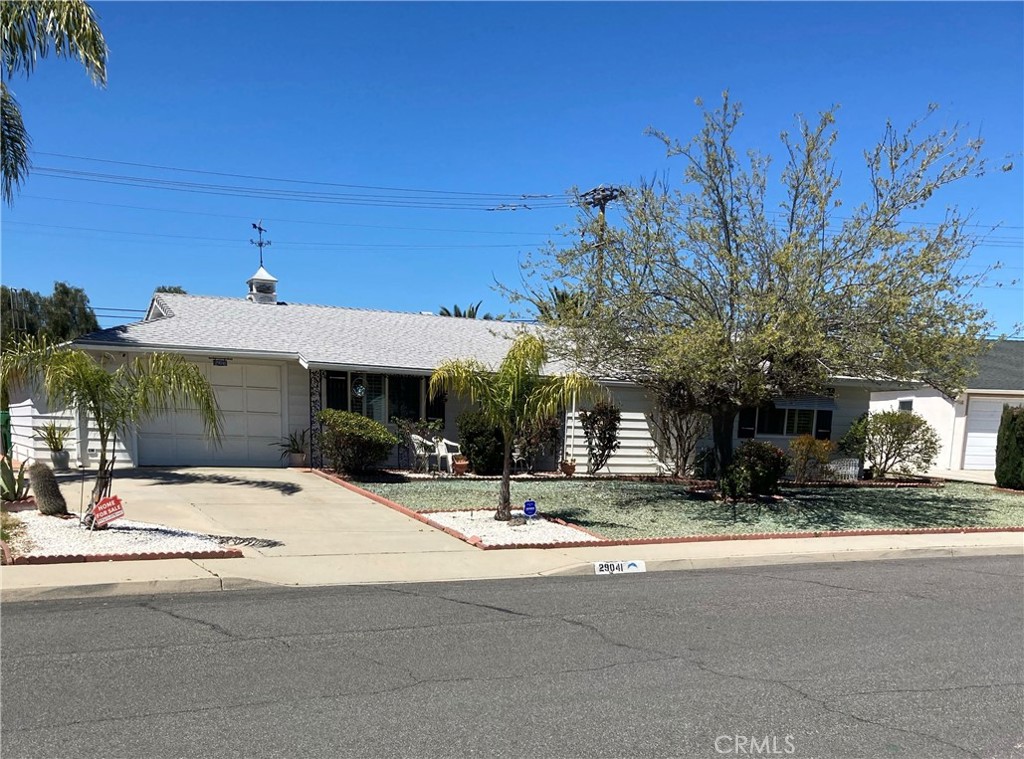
(521, 196)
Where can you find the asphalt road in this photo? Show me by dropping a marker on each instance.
(919, 659)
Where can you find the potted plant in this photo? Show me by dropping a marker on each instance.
(568, 466)
(293, 448)
(54, 436)
(460, 465)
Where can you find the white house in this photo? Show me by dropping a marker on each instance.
(968, 425)
(274, 365)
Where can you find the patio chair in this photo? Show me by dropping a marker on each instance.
(422, 450)
(446, 451)
(519, 461)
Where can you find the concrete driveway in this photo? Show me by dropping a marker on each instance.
(309, 515)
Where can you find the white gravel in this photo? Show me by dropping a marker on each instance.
(483, 525)
(51, 536)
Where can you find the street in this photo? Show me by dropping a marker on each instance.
(919, 658)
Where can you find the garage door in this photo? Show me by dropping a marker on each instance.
(983, 416)
(250, 400)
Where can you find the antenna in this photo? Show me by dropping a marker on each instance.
(261, 243)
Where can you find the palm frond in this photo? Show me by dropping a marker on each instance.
(14, 145)
(31, 28)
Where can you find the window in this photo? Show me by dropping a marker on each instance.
(337, 391)
(435, 407)
(907, 405)
(367, 396)
(769, 421)
(404, 397)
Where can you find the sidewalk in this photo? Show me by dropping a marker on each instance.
(333, 536)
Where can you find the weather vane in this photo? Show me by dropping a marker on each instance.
(261, 243)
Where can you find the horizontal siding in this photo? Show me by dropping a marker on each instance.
(635, 454)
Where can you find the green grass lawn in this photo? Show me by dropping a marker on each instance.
(650, 509)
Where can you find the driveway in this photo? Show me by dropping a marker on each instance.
(307, 514)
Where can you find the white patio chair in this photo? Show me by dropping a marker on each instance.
(422, 450)
(446, 451)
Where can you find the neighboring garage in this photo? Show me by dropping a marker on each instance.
(969, 426)
(250, 397)
(983, 415)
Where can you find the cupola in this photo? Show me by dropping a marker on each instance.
(262, 287)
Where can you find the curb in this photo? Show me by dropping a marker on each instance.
(131, 588)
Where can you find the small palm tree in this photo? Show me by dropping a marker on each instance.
(471, 312)
(30, 28)
(513, 396)
(118, 397)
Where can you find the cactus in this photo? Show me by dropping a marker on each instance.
(49, 500)
(13, 487)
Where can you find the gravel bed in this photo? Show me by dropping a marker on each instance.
(52, 536)
(483, 525)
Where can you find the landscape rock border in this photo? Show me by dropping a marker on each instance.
(599, 542)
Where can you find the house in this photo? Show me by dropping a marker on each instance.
(968, 425)
(274, 365)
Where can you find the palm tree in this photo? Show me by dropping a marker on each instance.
(471, 312)
(117, 398)
(512, 397)
(30, 28)
(560, 305)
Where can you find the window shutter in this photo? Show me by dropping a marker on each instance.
(823, 425)
(747, 423)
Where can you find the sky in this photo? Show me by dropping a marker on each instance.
(417, 119)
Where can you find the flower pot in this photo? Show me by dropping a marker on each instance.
(61, 460)
(297, 459)
(568, 469)
(459, 468)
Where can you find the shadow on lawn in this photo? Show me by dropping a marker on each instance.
(910, 507)
(579, 517)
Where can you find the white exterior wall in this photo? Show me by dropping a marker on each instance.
(28, 411)
(296, 390)
(946, 417)
(635, 454)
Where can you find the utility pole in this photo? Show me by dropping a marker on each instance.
(599, 198)
(261, 243)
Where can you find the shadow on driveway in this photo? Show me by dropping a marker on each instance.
(157, 476)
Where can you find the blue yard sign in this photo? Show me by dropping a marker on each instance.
(530, 508)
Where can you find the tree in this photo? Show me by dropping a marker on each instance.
(30, 29)
(173, 289)
(513, 396)
(601, 428)
(470, 312)
(707, 286)
(1010, 448)
(117, 396)
(63, 315)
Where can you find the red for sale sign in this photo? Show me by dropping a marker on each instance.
(107, 510)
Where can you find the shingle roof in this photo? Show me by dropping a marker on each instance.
(1001, 367)
(318, 335)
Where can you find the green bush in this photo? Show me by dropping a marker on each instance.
(900, 441)
(758, 466)
(352, 442)
(809, 458)
(601, 427)
(1010, 449)
(482, 443)
(543, 438)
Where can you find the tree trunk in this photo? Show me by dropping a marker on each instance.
(504, 512)
(722, 420)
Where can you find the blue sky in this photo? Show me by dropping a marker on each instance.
(495, 99)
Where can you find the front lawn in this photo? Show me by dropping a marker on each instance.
(622, 510)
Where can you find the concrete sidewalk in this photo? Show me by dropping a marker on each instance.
(332, 536)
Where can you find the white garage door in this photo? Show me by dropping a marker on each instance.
(983, 416)
(250, 400)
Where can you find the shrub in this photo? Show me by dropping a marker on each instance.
(1010, 449)
(809, 458)
(352, 442)
(481, 442)
(13, 486)
(763, 463)
(900, 441)
(539, 439)
(49, 499)
(601, 427)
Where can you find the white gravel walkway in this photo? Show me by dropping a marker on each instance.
(51, 536)
(483, 525)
